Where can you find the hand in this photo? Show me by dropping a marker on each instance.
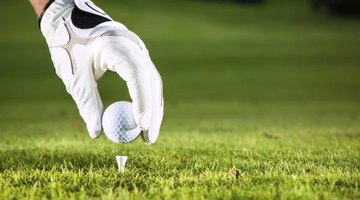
(84, 43)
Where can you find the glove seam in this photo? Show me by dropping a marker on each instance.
(44, 10)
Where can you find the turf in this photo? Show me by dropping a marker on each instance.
(261, 103)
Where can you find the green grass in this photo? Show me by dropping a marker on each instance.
(261, 102)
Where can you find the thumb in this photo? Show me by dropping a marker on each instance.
(78, 77)
(88, 101)
(85, 93)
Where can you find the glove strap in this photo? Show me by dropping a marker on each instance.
(43, 11)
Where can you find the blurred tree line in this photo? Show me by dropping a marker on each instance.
(347, 8)
(239, 1)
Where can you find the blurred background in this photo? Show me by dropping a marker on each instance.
(212, 55)
(262, 101)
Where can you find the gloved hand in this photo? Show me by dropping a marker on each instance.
(85, 42)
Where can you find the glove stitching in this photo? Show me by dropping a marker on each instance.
(73, 40)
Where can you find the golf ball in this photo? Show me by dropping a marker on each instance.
(119, 124)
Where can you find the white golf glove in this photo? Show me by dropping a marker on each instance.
(85, 42)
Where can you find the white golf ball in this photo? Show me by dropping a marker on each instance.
(119, 124)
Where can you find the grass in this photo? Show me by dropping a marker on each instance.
(261, 102)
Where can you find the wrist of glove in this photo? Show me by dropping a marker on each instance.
(84, 43)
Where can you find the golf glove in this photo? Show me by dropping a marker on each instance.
(84, 43)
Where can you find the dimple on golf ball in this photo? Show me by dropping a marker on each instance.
(119, 124)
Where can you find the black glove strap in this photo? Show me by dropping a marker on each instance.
(43, 11)
(84, 20)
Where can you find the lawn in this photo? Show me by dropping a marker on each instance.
(261, 102)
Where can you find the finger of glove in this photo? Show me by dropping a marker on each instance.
(150, 135)
(148, 98)
(126, 59)
(81, 85)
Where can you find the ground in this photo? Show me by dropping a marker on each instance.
(262, 102)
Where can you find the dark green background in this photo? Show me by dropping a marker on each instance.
(279, 51)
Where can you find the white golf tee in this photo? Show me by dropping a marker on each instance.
(121, 161)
